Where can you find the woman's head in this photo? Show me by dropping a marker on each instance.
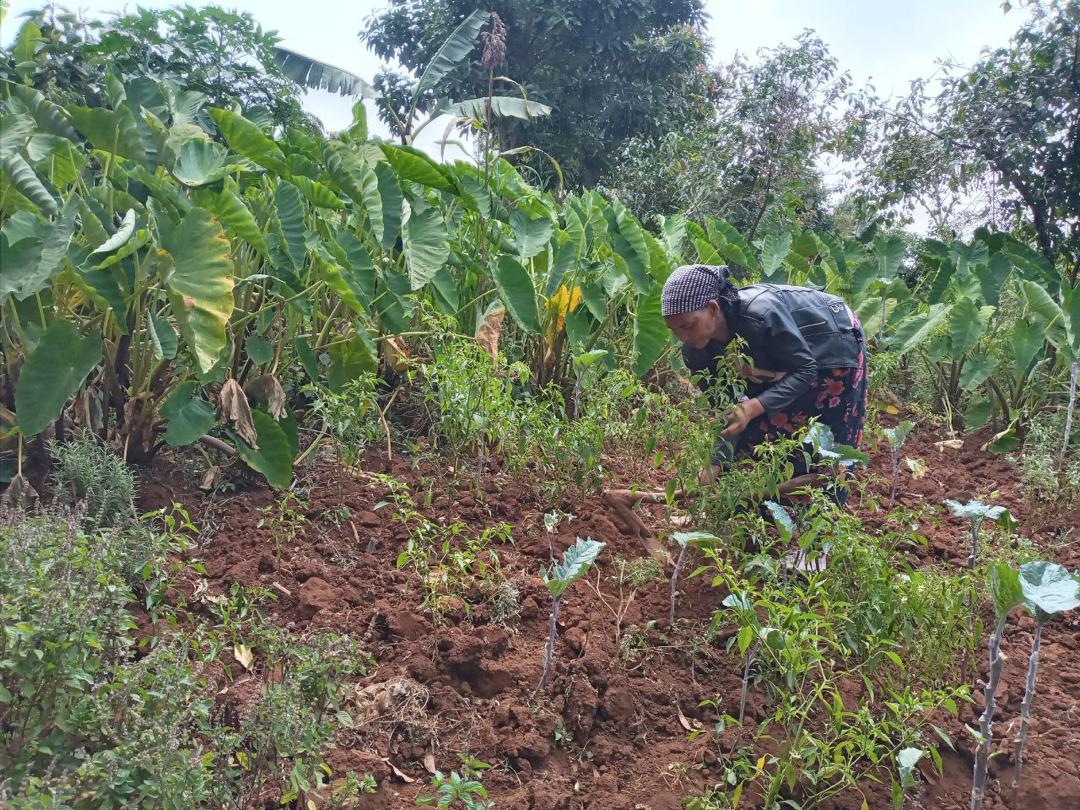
(696, 302)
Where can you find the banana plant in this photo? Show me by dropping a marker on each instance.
(1048, 589)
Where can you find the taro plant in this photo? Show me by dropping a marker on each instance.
(576, 561)
(1006, 592)
(1048, 589)
(976, 512)
(896, 436)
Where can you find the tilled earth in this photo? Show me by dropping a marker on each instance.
(613, 730)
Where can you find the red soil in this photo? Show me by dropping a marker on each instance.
(622, 724)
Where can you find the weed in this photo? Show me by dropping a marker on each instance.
(87, 472)
(285, 520)
(629, 576)
(463, 790)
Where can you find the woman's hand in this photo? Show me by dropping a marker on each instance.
(708, 475)
(740, 416)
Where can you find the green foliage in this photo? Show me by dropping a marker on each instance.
(567, 56)
(87, 723)
(463, 790)
(90, 477)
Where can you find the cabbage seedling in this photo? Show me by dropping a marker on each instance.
(906, 760)
(576, 561)
(976, 512)
(1007, 594)
(896, 436)
(1048, 589)
(685, 540)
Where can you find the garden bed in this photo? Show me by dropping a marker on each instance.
(616, 727)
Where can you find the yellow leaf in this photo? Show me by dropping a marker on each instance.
(760, 763)
(865, 806)
(244, 655)
(892, 409)
(561, 304)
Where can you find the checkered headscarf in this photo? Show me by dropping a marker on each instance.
(692, 286)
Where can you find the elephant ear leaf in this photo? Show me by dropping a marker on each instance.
(274, 456)
(53, 371)
(199, 282)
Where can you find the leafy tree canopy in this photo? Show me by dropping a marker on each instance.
(610, 70)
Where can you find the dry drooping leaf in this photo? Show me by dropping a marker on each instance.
(489, 329)
(949, 444)
(233, 407)
(244, 655)
(19, 495)
(429, 762)
(266, 390)
(404, 777)
(210, 478)
(396, 353)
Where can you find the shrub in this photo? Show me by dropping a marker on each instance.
(87, 472)
(1037, 462)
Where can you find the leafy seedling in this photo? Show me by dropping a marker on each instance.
(1007, 594)
(906, 760)
(685, 540)
(896, 436)
(1048, 589)
(750, 627)
(576, 561)
(976, 512)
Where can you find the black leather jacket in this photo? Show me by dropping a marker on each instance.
(792, 329)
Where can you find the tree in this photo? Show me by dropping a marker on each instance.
(224, 55)
(1016, 116)
(755, 162)
(610, 70)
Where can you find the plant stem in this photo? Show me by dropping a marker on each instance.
(1029, 699)
(982, 753)
(746, 679)
(974, 543)
(1073, 373)
(549, 653)
(675, 582)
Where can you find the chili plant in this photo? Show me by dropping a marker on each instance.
(1007, 594)
(576, 561)
(1048, 589)
(896, 436)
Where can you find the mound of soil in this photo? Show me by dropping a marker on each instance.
(614, 728)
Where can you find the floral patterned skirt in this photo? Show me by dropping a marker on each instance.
(838, 401)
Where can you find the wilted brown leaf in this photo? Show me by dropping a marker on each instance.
(489, 329)
(396, 353)
(233, 407)
(404, 777)
(949, 444)
(267, 391)
(244, 655)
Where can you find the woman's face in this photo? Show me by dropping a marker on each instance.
(697, 328)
